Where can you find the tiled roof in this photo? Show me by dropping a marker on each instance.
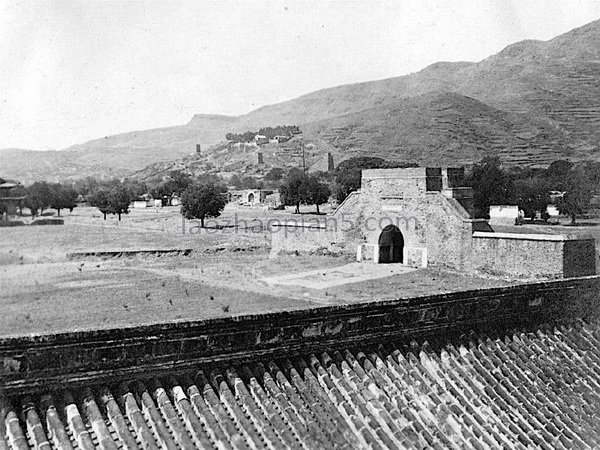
(537, 389)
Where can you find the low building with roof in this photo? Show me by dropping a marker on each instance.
(9, 200)
(249, 197)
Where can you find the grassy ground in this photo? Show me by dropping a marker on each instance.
(42, 291)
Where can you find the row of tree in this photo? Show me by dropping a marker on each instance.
(300, 188)
(41, 196)
(268, 132)
(270, 180)
(530, 188)
(115, 200)
(203, 196)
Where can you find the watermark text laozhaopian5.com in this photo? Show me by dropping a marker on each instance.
(341, 222)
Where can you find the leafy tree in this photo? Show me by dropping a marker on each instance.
(491, 185)
(179, 181)
(211, 178)
(241, 182)
(62, 197)
(236, 181)
(162, 189)
(348, 173)
(293, 189)
(578, 193)
(201, 201)
(100, 199)
(136, 187)
(39, 197)
(557, 174)
(119, 199)
(112, 201)
(298, 188)
(532, 195)
(592, 173)
(176, 183)
(86, 186)
(274, 175)
(317, 192)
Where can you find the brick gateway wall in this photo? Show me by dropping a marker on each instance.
(36, 363)
(533, 255)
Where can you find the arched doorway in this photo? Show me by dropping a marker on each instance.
(251, 198)
(391, 245)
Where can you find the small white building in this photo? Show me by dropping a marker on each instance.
(261, 139)
(552, 211)
(504, 214)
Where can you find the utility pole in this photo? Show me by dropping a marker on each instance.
(303, 160)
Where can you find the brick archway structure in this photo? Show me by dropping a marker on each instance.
(391, 245)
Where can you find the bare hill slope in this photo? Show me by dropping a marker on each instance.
(532, 103)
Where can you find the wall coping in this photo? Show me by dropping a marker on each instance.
(531, 237)
(396, 173)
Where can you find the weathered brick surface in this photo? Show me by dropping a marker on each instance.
(528, 256)
(432, 215)
(410, 199)
(309, 238)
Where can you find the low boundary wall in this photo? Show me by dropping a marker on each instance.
(35, 363)
(533, 255)
(306, 238)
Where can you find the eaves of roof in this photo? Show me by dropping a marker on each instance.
(536, 389)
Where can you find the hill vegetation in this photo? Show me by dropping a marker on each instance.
(532, 103)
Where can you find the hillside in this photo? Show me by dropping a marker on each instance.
(531, 103)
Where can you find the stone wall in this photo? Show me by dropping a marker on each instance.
(34, 363)
(307, 238)
(579, 257)
(432, 214)
(532, 255)
(396, 182)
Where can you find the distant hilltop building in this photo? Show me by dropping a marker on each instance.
(261, 139)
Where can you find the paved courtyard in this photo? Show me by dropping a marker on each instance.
(339, 276)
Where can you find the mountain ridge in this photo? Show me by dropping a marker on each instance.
(546, 89)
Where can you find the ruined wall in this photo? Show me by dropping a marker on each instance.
(395, 182)
(433, 226)
(532, 255)
(449, 232)
(307, 238)
(433, 216)
(34, 363)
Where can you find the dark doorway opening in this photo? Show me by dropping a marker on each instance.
(250, 197)
(391, 245)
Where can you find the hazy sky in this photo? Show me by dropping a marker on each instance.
(71, 71)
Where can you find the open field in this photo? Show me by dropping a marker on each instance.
(229, 272)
